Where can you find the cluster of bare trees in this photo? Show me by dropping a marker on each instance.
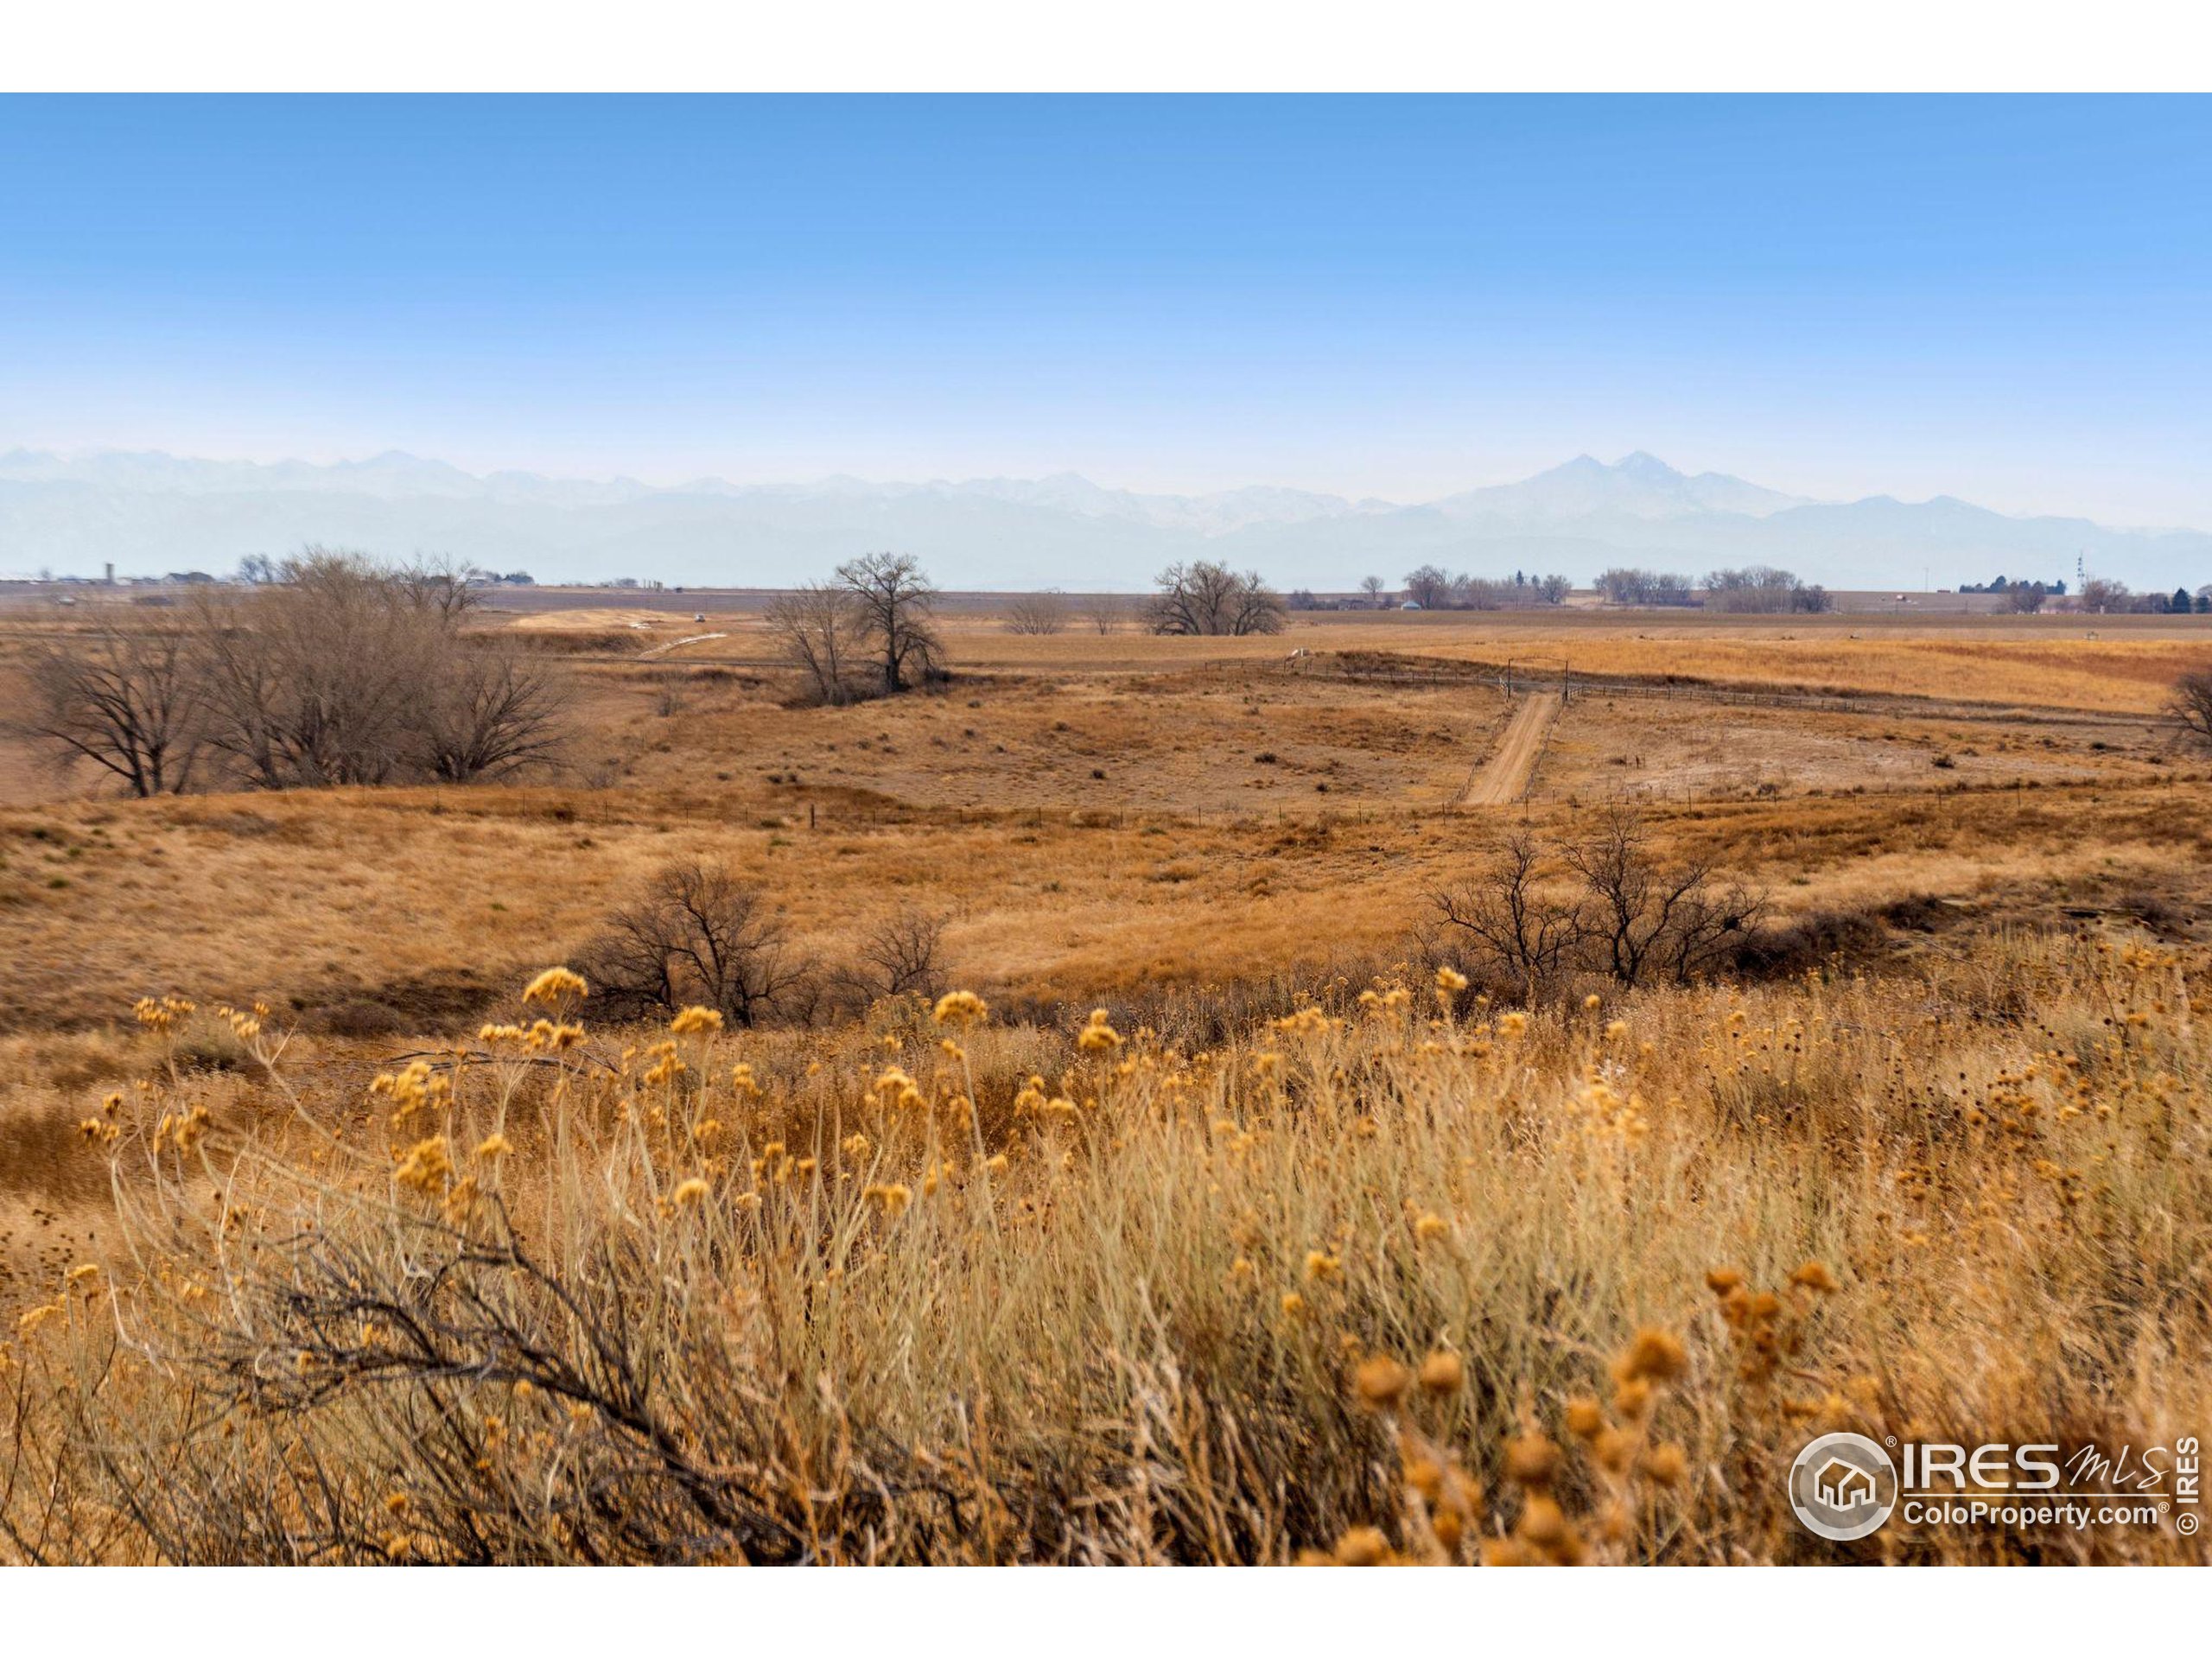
(1605, 902)
(1762, 590)
(1038, 613)
(1434, 588)
(338, 671)
(1626, 585)
(870, 633)
(1054, 612)
(701, 935)
(2105, 596)
(1205, 597)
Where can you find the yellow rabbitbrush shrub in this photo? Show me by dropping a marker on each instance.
(1369, 1287)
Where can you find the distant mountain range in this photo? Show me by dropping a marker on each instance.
(150, 513)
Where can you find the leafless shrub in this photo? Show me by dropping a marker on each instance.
(903, 954)
(697, 935)
(1106, 613)
(1038, 613)
(491, 712)
(1605, 903)
(1525, 925)
(2191, 705)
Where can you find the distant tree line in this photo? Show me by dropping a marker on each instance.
(1434, 588)
(1753, 589)
(333, 669)
(2000, 584)
(1629, 586)
(1761, 589)
(2103, 596)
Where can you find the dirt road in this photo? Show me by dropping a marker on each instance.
(1505, 779)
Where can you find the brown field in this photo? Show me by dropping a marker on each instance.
(1963, 1075)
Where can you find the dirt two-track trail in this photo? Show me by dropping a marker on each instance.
(1505, 779)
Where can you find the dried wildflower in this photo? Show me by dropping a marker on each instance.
(960, 1009)
(1654, 1355)
(1585, 1420)
(1097, 1037)
(553, 987)
(1320, 1264)
(1431, 1226)
(1531, 1459)
(697, 1022)
(1665, 1464)
(689, 1192)
(494, 1146)
(893, 1196)
(426, 1164)
(1443, 1372)
(1450, 982)
(1362, 1547)
(1381, 1382)
(1513, 1024)
(1814, 1275)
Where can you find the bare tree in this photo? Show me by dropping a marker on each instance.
(696, 935)
(442, 586)
(121, 696)
(2191, 705)
(819, 630)
(2103, 594)
(898, 625)
(316, 680)
(1038, 613)
(2025, 598)
(1374, 589)
(1206, 598)
(1430, 587)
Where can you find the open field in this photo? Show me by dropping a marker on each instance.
(1959, 1066)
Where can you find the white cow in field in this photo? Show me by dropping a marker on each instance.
(1295, 655)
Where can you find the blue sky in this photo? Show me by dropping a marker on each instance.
(2006, 300)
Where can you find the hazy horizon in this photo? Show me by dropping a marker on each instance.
(149, 512)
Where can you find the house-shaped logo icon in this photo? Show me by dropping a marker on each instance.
(1843, 1485)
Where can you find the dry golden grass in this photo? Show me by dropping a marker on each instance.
(906, 1352)
(936, 1291)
